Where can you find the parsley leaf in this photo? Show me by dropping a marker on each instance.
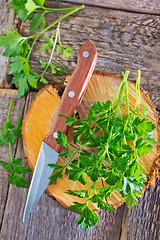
(6, 166)
(43, 63)
(11, 38)
(143, 148)
(80, 194)
(65, 50)
(101, 204)
(77, 173)
(53, 177)
(19, 7)
(19, 169)
(37, 20)
(77, 207)
(112, 178)
(17, 180)
(131, 200)
(87, 219)
(48, 43)
(21, 80)
(16, 65)
(8, 133)
(40, 2)
(30, 6)
(56, 69)
(62, 140)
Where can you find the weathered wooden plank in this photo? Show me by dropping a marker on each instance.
(124, 224)
(145, 6)
(6, 22)
(123, 40)
(144, 219)
(17, 111)
(50, 220)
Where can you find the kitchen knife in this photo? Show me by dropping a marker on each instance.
(71, 98)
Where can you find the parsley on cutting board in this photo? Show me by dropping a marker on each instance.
(118, 140)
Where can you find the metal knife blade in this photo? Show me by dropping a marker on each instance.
(71, 98)
(39, 183)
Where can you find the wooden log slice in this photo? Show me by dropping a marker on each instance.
(40, 118)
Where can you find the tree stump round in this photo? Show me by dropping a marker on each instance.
(40, 118)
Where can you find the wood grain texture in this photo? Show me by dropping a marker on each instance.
(49, 220)
(6, 22)
(124, 41)
(144, 219)
(146, 6)
(17, 111)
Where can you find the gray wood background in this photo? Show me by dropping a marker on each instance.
(127, 36)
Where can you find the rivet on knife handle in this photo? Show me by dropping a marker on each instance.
(74, 91)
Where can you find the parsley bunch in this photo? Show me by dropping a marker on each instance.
(8, 134)
(118, 141)
(19, 49)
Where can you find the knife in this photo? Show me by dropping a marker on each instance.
(71, 98)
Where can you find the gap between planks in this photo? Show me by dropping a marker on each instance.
(94, 4)
(124, 227)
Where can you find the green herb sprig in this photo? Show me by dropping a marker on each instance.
(19, 49)
(119, 140)
(8, 134)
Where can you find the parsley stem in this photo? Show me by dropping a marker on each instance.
(32, 46)
(119, 100)
(57, 21)
(126, 92)
(58, 10)
(73, 156)
(55, 42)
(108, 155)
(117, 92)
(120, 91)
(91, 188)
(59, 39)
(53, 34)
(102, 158)
(10, 109)
(137, 91)
(10, 151)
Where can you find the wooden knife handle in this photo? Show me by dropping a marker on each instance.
(74, 91)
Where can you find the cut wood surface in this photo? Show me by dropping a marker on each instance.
(42, 114)
(145, 6)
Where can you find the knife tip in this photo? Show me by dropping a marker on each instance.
(24, 218)
(25, 215)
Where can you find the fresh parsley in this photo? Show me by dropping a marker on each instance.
(19, 49)
(119, 140)
(8, 134)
